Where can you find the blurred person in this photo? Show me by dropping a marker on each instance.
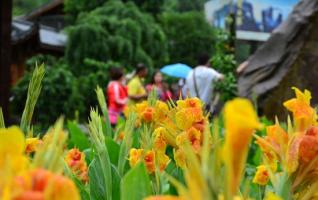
(182, 89)
(136, 89)
(117, 94)
(164, 94)
(200, 81)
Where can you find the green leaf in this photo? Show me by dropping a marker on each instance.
(116, 183)
(127, 143)
(89, 155)
(103, 165)
(107, 129)
(2, 125)
(113, 149)
(136, 184)
(77, 137)
(34, 90)
(96, 181)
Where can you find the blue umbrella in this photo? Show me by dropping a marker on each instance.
(176, 70)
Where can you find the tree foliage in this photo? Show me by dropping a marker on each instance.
(63, 93)
(223, 60)
(189, 35)
(118, 32)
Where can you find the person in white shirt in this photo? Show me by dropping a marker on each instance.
(200, 81)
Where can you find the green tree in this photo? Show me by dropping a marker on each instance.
(223, 60)
(188, 36)
(116, 32)
(153, 7)
(74, 7)
(22, 7)
(190, 5)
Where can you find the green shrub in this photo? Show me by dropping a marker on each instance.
(116, 32)
(189, 35)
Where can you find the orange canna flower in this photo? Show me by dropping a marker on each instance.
(40, 184)
(240, 123)
(292, 155)
(304, 115)
(121, 136)
(278, 137)
(75, 159)
(308, 148)
(135, 156)
(150, 161)
(261, 176)
(148, 114)
(61, 188)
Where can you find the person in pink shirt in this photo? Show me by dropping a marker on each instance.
(117, 95)
(164, 94)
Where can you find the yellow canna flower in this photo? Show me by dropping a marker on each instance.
(12, 146)
(161, 111)
(160, 143)
(261, 176)
(187, 117)
(163, 160)
(180, 158)
(240, 123)
(135, 156)
(193, 136)
(11, 141)
(304, 115)
(272, 196)
(189, 103)
(32, 144)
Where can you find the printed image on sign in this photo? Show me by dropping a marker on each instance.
(255, 19)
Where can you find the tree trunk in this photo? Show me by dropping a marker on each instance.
(5, 55)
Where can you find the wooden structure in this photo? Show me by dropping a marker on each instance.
(31, 38)
(289, 58)
(50, 14)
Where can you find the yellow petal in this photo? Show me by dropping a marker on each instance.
(240, 122)
(11, 141)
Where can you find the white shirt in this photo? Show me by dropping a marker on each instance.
(205, 77)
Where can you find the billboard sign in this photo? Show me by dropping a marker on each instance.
(255, 19)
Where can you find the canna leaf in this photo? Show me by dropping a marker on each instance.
(34, 90)
(77, 137)
(102, 103)
(136, 184)
(2, 124)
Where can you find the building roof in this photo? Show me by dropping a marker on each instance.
(43, 10)
(47, 37)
